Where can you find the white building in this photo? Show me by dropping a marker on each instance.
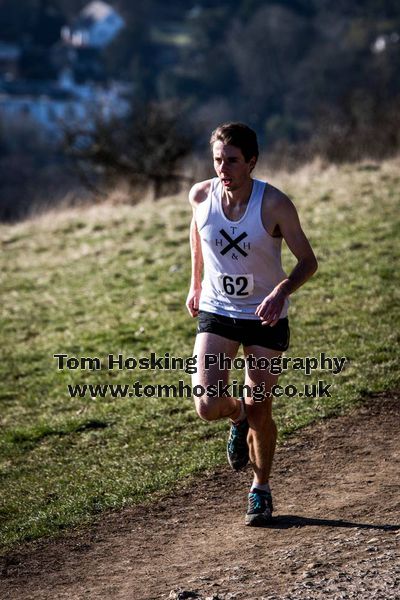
(50, 109)
(96, 26)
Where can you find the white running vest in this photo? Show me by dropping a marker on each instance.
(242, 261)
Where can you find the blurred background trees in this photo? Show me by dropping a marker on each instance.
(311, 76)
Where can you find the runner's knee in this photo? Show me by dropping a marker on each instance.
(207, 408)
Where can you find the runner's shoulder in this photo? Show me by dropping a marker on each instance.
(199, 192)
(276, 201)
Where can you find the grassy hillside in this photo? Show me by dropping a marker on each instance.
(113, 280)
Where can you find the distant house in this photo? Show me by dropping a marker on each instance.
(95, 27)
(51, 107)
(81, 94)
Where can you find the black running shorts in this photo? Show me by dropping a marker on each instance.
(248, 332)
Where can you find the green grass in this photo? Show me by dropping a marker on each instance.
(113, 279)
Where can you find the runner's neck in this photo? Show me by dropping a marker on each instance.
(238, 198)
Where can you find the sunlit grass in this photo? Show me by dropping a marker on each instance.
(113, 279)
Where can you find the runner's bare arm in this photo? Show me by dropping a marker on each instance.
(197, 194)
(193, 298)
(287, 220)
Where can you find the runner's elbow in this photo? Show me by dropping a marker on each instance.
(314, 264)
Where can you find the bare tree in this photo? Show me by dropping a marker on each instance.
(142, 149)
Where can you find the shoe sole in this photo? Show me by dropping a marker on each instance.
(245, 461)
(258, 520)
(235, 467)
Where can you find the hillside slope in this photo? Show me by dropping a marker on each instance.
(113, 280)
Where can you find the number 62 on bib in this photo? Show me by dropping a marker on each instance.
(240, 285)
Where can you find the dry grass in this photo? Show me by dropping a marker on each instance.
(113, 278)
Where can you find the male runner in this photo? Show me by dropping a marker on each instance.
(236, 235)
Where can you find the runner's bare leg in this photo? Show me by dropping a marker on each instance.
(263, 432)
(209, 408)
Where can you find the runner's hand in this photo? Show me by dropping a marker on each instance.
(192, 301)
(271, 307)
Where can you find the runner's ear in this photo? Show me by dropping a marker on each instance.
(252, 163)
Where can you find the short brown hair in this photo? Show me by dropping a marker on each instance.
(239, 135)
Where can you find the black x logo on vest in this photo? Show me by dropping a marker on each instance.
(233, 243)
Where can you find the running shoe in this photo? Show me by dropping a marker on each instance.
(237, 448)
(259, 510)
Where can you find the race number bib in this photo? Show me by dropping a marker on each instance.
(236, 286)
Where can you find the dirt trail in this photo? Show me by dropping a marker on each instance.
(336, 533)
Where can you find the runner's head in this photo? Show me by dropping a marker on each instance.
(239, 135)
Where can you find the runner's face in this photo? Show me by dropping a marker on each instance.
(230, 166)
